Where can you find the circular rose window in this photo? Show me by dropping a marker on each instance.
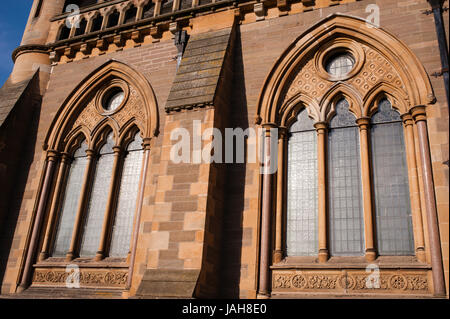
(340, 64)
(113, 99)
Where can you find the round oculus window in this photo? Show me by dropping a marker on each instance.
(113, 99)
(340, 64)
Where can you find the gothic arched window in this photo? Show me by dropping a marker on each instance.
(98, 199)
(346, 230)
(302, 188)
(70, 201)
(390, 179)
(127, 196)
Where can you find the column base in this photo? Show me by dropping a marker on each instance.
(43, 256)
(277, 256)
(98, 256)
(262, 295)
(21, 288)
(323, 255)
(421, 255)
(371, 255)
(70, 256)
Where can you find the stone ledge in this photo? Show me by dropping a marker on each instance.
(168, 283)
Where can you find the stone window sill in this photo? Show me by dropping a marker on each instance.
(83, 262)
(388, 262)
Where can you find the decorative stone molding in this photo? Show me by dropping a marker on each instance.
(352, 282)
(374, 72)
(33, 48)
(87, 278)
(83, 113)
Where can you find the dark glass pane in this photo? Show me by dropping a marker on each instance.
(97, 23)
(391, 188)
(166, 6)
(203, 2)
(130, 15)
(302, 218)
(113, 19)
(303, 123)
(346, 229)
(343, 116)
(81, 28)
(70, 201)
(186, 4)
(64, 33)
(149, 10)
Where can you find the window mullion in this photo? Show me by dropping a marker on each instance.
(81, 205)
(419, 238)
(281, 178)
(321, 129)
(101, 253)
(364, 124)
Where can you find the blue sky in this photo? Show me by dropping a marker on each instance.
(13, 18)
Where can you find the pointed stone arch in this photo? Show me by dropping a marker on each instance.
(397, 63)
(81, 111)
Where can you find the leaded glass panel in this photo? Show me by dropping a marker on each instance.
(340, 64)
(129, 188)
(98, 201)
(302, 218)
(70, 200)
(303, 123)
(346, 228)
(392, 205)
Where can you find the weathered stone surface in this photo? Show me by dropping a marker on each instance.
(198, 74)
(168, 283)
(9, 96)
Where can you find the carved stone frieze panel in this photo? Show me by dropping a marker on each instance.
(352, 281)
(87, 277)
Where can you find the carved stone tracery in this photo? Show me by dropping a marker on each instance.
(90, 117)
(375, 71)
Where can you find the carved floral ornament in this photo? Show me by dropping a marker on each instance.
(87, 277)
(389, 281)
(383, 66)
(83, 114)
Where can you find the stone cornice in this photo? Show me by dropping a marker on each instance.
(29, 48)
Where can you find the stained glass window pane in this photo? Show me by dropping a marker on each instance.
(70, 201)
(340, 64)
(385, 113)
(302, 218)
(392, 205)
(129, 188)
(98, 201)
(303, 123)
(346, 229)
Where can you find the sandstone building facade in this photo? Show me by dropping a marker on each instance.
(355, 90)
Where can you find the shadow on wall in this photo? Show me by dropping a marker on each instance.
(25, 157)
(232, 231)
